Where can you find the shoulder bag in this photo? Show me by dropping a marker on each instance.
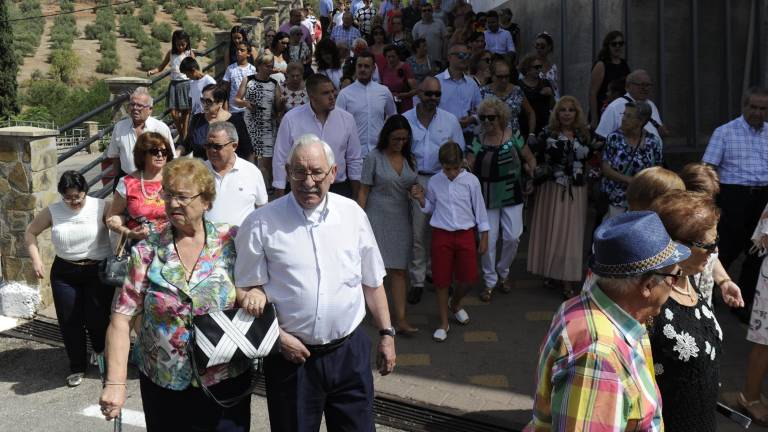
(114, 268)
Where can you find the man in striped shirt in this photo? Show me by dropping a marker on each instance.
(595, 370)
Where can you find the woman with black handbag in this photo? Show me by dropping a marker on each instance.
(184, 271)
(81, 241)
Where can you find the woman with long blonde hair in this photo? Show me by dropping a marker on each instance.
(560, 210)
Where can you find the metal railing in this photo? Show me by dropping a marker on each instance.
(105, 133)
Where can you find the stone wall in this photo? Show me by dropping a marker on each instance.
(28, 177)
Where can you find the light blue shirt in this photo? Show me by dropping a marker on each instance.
(426, 143)
(740, 153)
(499, 42)
(460, 97)
(326, 7)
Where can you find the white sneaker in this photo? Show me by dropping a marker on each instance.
(461, 316)
(440, 335)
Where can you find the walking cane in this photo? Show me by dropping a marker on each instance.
(118, 422)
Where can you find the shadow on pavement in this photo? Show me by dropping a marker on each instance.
(34, 370)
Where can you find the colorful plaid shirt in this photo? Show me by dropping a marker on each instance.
(596, 371)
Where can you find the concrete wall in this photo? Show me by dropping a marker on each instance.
(723, 31)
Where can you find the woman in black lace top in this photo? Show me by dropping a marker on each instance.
(685, 337)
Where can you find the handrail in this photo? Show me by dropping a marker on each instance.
(87, 167)
(99, 135)
(105, 190)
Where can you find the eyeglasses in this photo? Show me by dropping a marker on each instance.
(709, 247)
(430, 93)
(617, 44)
(138, 106)
(157, 152)
(73, 200)
(537, 66)
(217, 147)
(183, 200)
(489, 117)
(642, 85)
(501, 76)
(674, 276)
(207, 102)
(301, 175)
(461, 55)
(540, 46)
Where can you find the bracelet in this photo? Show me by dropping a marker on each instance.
(106, 383)
(724, 281)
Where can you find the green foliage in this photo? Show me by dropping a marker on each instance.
(147, 14)
(162, 31)
(124, 9)
(63, 102)
(195, 33)
(150, 55)
(170, 8)
(180, 16)
(35, 113)
(8, 66)
(109, 62)
(227, 4)
(27, 33)
(208, 6)
(130, 27)
(219, 20)
(64, 64)
(104, 24)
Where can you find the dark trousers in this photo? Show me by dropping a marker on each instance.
(191, 410)
(741, 208)
(325, 24)
(344, 189)
(82, 303)
(338, 383)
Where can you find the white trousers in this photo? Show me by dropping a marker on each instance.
(510, 219)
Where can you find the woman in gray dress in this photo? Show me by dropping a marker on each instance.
(388, 174)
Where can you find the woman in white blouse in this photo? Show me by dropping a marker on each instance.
(81, 241)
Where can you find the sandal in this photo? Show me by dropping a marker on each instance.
(754, 409)
(486, 295)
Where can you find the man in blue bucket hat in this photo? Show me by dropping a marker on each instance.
(596, 369)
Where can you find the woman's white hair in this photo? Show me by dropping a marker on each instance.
(309, 140)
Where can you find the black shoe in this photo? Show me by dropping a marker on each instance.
(414, 294)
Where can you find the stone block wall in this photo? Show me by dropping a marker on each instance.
(28, 177)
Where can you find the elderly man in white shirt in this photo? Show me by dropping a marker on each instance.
(333, 125)
(127, 130)
(639, 87)
(431, 128)
(313, 255)
(369, 102)
(239, 184)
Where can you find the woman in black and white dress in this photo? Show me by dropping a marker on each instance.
(685, 337)
(261, 97)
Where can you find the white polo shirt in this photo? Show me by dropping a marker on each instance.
(312, 264)
(611, 118)
(238, 193)
(124, 140)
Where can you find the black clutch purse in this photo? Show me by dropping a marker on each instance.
(232, 336)
(114, 268)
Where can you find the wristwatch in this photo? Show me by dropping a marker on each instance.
(389, 331)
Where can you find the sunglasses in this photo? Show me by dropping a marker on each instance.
(537, 66)
(217, 147)
(158, 152)
(674, 276)
(461, 55)
(430, 93)
(540, 46)
(207, 102)
(489, 117)
(709, 247)
(501, 76)
(617, 44)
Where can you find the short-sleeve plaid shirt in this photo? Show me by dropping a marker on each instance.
(740, 153)
(595, 371)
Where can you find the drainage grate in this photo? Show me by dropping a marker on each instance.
(387, 411)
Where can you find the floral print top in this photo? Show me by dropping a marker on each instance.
(156, 285)
(564, 159)
(628, 161)
(514, 101)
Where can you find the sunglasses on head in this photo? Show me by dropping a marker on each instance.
(431, 93)
(158, 152)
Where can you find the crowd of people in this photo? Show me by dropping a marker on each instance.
(408, 142)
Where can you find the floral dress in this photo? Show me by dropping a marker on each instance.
(514, 101)
(687, 346)
(260, 121)
(628, 161)
(156, 285)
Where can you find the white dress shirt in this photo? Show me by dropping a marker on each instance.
(124, 140)
(238, 193)
(312, 264)
(370, 104)
(611, 118)
(499, 42)
(456, 204)
(339, 131)
(426, 142)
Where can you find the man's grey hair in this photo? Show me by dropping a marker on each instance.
(309, 140)
(636, 75)
(753, 91)
(225, 126)
(143, 91)
(622, 286)
(644, 110)
(359, 42)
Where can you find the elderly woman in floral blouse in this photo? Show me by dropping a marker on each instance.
(182, 271)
